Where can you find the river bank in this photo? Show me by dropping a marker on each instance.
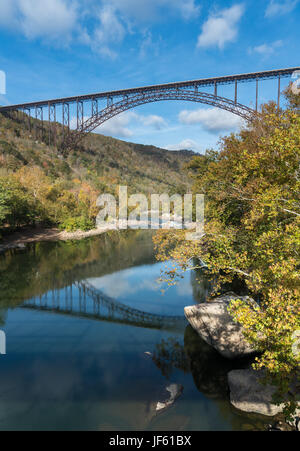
(20, 238)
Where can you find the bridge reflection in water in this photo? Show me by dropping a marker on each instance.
(83, 300)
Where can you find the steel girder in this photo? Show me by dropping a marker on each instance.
(134, 100)
(190, 84)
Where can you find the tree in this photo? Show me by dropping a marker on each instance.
(252, 226)
(15, 203)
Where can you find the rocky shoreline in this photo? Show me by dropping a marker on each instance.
(19, 239)
(217, 328)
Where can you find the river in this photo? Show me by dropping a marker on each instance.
(93, 342)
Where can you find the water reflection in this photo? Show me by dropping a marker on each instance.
(75, 356)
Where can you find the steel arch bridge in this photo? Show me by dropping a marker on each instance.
(91, 303)
(51, 119)
(143, 98)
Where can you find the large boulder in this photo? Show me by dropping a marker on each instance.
(248, 394)
(208, 368)
(216, 326)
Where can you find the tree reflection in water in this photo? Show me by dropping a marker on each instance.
(170, 354)
(209, 369)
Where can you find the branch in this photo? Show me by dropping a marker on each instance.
(290, 211)
(239, 271)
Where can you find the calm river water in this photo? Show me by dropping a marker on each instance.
(92, 343)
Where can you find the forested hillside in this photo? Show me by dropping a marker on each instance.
(38, 183)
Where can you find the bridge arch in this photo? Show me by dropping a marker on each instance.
(138, 99)
(94, 304)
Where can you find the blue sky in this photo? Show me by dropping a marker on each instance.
(55, 48)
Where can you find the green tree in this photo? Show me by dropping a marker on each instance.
(16, 207)
(252, 231)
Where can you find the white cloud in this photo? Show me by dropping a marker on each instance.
(267, 49)
(149, 10)
(51, 19)
(109, 31)
(212, 120)
(149, 44)
(221, 28)
(154, 121)
(118, 17)
(120, 284)
(276, 8)
(7, 10)
(185, 144)
(126, 124)
(100, 24)
(117, 126)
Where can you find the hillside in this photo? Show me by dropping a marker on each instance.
(100, 160)
(100, 164)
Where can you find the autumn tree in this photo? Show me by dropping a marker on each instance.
(252, 232)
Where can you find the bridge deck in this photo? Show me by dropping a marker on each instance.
(229, 79)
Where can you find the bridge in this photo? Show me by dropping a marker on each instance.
(91, 303)
(53, 114)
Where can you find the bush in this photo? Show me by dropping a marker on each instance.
(77, 223)
(16, 207)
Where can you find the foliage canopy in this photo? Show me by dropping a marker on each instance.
(252, 232)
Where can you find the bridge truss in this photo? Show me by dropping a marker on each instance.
(74, 117)
(83, 300)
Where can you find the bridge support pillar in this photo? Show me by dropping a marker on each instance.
(27, 118)
(80, 115)
(39, 116)
(65, 119)
(52, 123)
(235, 91)
(94, 107)
(256, 103)
(279, 92)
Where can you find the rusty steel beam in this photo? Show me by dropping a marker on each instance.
(256, 103)
(235, 92)
(229, 79)
(65, 119)
(52, 123)
(80, 114)
(140, 99)
(279, 93)
(94, 107)
(38, 117)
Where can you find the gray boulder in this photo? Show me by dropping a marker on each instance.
(175, 391)
(248, 394)
(216, 326)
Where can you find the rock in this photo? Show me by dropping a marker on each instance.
(216, 326)
(295, 422)
(248, 394)
(209, 369)
(175, 391)
(279, 426)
